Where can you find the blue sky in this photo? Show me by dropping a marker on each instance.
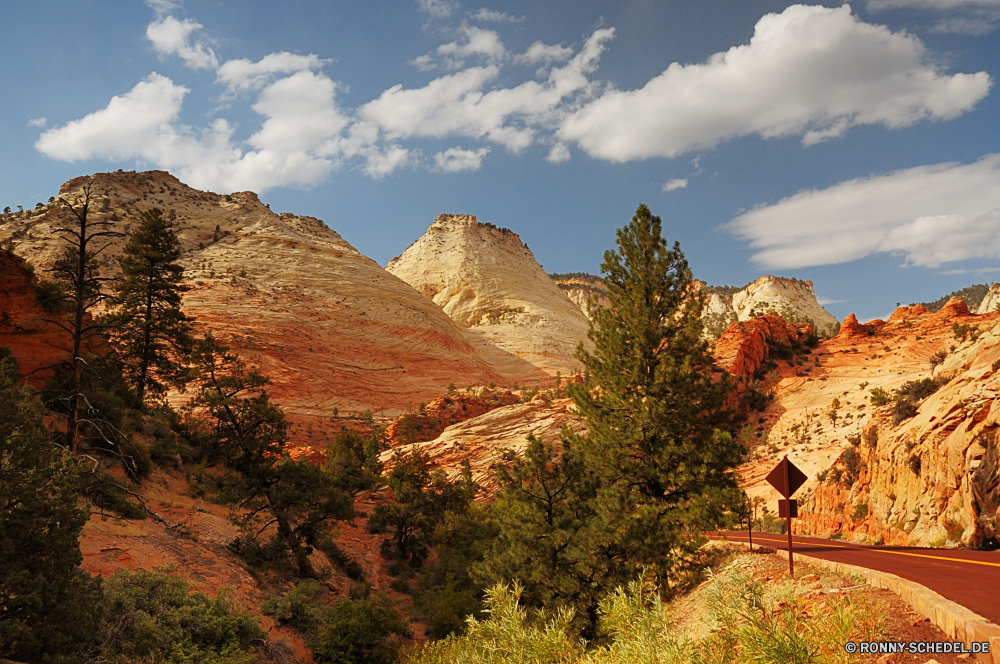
(854, 145)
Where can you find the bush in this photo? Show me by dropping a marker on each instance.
(860, 511)
(879, 397)
(350, 631)
(914, 464)
(151, 616)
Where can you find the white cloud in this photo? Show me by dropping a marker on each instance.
(173, 37)
(491, 16)
(477, 42)
(114, 132)
(36, 122)
(558, 154)
(460, 104)
(240, 75)
(544, 53)
(297, 144)
(438, 8)
(674, 184)
(930, 215)
(454, 160)
(808, 71)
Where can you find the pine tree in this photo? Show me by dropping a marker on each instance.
(266, 486)
(147, 327)
(658, 424)
(657, 465)
(78, 271)
(47, 610)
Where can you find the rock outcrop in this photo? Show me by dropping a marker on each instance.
(929, 478)
(329, 326)
(991, 301)
(489, 282)
(482, 439)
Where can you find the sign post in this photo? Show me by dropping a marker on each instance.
(787, 479)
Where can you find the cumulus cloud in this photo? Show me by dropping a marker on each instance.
(294, 146)
(930, 215)
(476, 42)
(675, 184)
(490, 16)
(173, 37)
(454, 160)
(558, 154)
(812, 72)
(438, 8)
(461, 104)
(114, 131)
(240, 75)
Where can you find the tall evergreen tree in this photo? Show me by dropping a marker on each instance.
(658, 424)
(47, 610)
(147, 327)
(657, 465)
(268, 488)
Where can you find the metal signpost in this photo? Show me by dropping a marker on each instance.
(787, 479)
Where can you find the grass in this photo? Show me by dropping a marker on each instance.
(746, 621)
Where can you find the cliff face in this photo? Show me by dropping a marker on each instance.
(488, 282)
(329, 326)
(930, 478)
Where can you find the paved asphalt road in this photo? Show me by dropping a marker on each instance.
(970, 578)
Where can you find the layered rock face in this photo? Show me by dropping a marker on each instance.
(489, 282)
(930, 479)
(329, 326)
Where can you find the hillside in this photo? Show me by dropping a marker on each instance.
(329, 326)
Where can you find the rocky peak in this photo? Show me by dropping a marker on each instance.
(487, 280)
(991, 301)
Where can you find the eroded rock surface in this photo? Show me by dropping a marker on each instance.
(489, 282)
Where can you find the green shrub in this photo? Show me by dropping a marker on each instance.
(879, 397)
(860, 511)
(914, 464)
(151, 616)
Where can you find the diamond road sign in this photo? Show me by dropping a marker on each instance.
(786, 478)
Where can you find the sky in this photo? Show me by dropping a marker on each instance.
(857, 146)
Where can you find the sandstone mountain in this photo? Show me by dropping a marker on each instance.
(489, 282)
(793, 299)
(329, 326)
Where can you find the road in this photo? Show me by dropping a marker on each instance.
(970, 578)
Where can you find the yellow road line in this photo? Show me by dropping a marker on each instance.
(898, 553)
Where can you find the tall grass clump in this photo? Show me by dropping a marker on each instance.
(744, 621)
